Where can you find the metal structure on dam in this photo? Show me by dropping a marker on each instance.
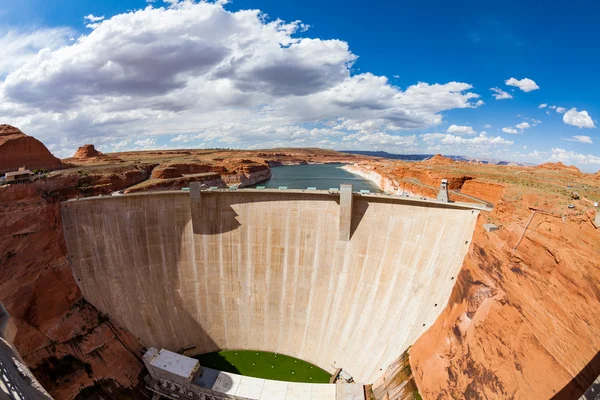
(340, 279)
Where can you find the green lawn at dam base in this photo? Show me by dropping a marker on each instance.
(264, 364)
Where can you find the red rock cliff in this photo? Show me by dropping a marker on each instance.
(66, 342)
(520, 324)
(87, 151)
(17, 149)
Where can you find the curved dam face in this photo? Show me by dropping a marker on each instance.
(283, 271)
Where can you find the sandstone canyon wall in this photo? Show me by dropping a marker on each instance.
(17, 150)
(520, 323)
(68, 344)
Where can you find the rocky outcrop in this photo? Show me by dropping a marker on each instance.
(87, 155)
(513, 314)
(17, 150)
(487, 191)
(87, 151)
(61, 337)
(233, 172)
(410, 182)
(250, 175)
(170, 171)
(559, 166)
(384, 183)
(279, 163)
(207, 180)
(438, 159)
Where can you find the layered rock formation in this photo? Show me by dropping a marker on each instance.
(438, 159)
(247, 174)
(67, 342)
(516, 313)
(17, 150)
(169, 171)
(520, 322)
(487, 191)
(225, 173)
(385, 183)
(404, 180)
(87, 155)
(558, 166)
(87, 151)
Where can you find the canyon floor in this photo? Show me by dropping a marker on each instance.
(520, 322)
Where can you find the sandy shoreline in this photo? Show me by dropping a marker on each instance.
(387, 185)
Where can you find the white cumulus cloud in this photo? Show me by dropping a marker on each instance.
(580, 119)
(563, 155)
(500, 94)
(581, 139)
(522, 126)
(461, 130)
(231, 79)
(510, 130)
(560, 110)
(146, 143)
(525, 84)
(448, 139)
(543, 105)
(93, 18)
(93, 21)
(20, 46)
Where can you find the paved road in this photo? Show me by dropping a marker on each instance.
(16, 381)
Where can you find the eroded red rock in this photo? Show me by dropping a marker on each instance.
(18, 149)
(87, 151)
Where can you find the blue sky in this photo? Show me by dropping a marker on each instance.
(243, 82)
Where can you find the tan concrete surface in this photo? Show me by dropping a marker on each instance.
(266, 270)
(345, 212)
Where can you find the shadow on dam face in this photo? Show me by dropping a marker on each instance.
(268, 271)
(121, 262)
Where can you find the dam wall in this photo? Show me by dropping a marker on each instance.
(267, 270)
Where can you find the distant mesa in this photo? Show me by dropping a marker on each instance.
(88, 155)
(18, 149)
(439, 159)
(558, 166)
(87, 151)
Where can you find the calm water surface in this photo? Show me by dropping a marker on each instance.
(321, 176)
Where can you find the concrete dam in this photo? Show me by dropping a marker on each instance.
(339, 279)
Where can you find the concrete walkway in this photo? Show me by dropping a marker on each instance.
(266, 389)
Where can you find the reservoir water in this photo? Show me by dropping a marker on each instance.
(321, 176)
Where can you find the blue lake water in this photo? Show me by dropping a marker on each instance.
(321, 176)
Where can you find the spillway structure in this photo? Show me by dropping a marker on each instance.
(336, 278)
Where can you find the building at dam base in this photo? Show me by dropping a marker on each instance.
(270, 270)
(175, 376)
